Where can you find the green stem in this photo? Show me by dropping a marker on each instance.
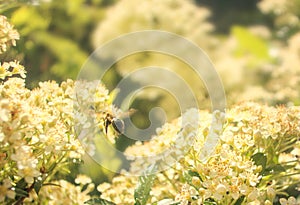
(289, 162)
(278, 176)
(286, 148)
(170, 181)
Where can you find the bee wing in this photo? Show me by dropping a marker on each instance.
(128, 113)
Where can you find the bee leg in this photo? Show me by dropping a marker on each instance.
(106, 124)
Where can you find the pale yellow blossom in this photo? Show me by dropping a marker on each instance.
(8, 35)
(6, 191)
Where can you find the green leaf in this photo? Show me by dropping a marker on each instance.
(193, 173)
(248, 43)
(260, 159)
(70, 57)
(210, 203)
(240, 200)
(23, 15)
(275, 169)
(21, 193)
(21, 184)
(20, 188)
(99, 201)
(38, 185)
(188, 176)
(142, 191)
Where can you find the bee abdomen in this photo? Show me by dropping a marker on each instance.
(118, 125)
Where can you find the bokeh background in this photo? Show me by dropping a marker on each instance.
(254, 45)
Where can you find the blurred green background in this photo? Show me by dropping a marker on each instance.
(254, 45)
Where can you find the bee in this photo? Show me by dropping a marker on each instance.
(117, 123)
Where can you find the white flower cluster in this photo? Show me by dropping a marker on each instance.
(37, 132)
(8, 35)
(218, 119)
(254, 141)
(169, 150)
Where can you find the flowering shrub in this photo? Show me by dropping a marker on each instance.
(37, 135)
(7, 33)
(256, 160)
